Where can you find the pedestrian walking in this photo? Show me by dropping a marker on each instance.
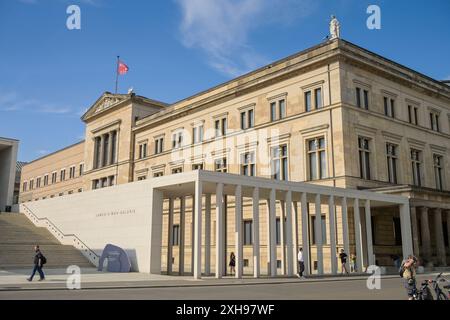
(343, 257)
(301, 264)
(353, 262)
(408, 273)
(232, 263)
(39, 261)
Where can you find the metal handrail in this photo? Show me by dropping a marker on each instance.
(55, 227)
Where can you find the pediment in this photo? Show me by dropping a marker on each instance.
(105, 102)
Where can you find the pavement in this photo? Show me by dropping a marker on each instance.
(103, 285)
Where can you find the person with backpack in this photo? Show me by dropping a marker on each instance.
(408, 274)
(39, 261)
(343, 258)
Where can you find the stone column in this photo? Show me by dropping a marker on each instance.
(405, 223)
(155, 225)
(358, 237)
(295, 246)
(219, 231)
(110, 149)
(415, 231)
(283, 236)
(332, 221)
(345, 231)
(448, 225)
(208, 234)
(425, 232)
(198, 230)
(169, 236)
(272, 245)
(288, 235)
(182, 228)
(102, 146)
(439, 237)
(318, 228)
(305, 233)
(370, 255)
(238, 231)
(256, 244)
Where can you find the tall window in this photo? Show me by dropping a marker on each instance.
(323, 225)
(308, 104)
(54, 177)
(72, 172)
(197, 134)
(220, 165)
(317, 159)
(38, 182)
(278, 231)
(176, 235)
(389, 107)
(62, 175)
(177, 139)
(31, 184)
(278, 110)
(438, 167)
(247, 119)
(279, 163)
(412, 114)
(81, 169)
(434, 121)
(24, 187)
(318, 98)
(159, 145)
(220, 127)
(416, 165)
(391, 154)
(248, 164)
(364, 158)
(362, 98)
(46, 180)
(248, 232)
(143, 150)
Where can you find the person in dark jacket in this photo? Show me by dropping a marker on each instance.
(38, 263)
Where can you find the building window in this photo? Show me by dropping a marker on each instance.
(38, 182)
(391, 154)
(389, 107)
(278, 109)
(438, 167)
(72, 172)
(416, 165)
(70, 192)
(31, 184)
(278, 231)
(247, 119)
(24, 187)
(197, 134)
(317, 159)
(220, 127)
(143, 150)
(158, 174)
(62, 175)
(434, 121)
(177, 139)
(248, 233)
(177, 170)
(197, 166)
(412, 114)
(175, 235)
(279, 165)
(159, 145)
(362, 96)
(54, 177)
(323, 226)
(318, 98)
(81, 169)
(80, 190)
(46, 180)
(364, 158)
(308, 105)
(220, 165)
(248, 164)
(142, 178)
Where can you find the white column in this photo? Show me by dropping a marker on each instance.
(405, 224)
(256, 244)
(439, 237)
(305, 233)
(110, 148)
(198, 230)
(219, 231)
(425, 232)
(283, 236)
(182, 228)
(295, 246)
(358, 237)
(272, 243)
(208, 234)
(370, 255)
(288, 235)
(238, 231)
(332, 221)
(169, 236)
(102, 148)
(345, 231)
(155, 225)
(318, 228)
(415, 231)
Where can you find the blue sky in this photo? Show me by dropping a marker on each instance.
(176, 48)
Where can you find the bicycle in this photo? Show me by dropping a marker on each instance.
(424, 293)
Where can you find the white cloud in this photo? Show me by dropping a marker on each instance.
(42, 152)
(11, 101)
(221, 28)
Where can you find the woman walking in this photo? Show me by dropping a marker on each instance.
(232, 263)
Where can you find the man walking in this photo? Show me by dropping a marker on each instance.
(343, 258)
(39, 261)
(301, 264)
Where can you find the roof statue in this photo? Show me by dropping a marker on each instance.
(335, 28)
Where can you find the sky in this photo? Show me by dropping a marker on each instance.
(176, 48)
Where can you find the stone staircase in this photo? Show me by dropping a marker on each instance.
(18, 237)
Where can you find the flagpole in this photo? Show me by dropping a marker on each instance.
(117, 73)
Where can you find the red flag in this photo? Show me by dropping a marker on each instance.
(122, 68)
